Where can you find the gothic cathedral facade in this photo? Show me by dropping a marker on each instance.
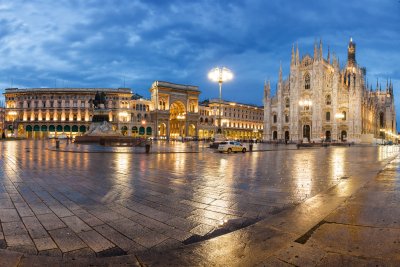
(322, 102)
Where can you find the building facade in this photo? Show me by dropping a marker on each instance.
(2, 118)
(321, 101)
(42, 113)
(172, 112)
(176, 110)
(238, 121)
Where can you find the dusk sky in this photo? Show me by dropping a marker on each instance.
(102, 43)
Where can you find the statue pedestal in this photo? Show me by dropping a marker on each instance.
(100, 115)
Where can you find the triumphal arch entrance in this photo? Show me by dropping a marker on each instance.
(176, 110)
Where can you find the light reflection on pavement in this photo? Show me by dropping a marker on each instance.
(169, 197)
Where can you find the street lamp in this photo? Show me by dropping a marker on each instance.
(220, 75)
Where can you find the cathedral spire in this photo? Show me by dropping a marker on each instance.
(320, 49)
(297, 54)
(329, 57)
(280, 72)
(351, 53)
(391, 86)
(293, 57)
(267, 89)
(315, 51)
(387, 84)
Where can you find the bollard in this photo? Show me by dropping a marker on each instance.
(251, 147)
(147, 148)
(57, 144)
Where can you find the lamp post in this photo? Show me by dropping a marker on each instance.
(220, 75)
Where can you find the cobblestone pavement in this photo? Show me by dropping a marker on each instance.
(105, 204)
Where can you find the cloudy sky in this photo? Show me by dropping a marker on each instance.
(108, 43)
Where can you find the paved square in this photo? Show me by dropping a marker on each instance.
(85, 204)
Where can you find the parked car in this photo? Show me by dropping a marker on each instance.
(231, 146)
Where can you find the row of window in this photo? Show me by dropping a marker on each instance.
(328, 101)
(65, 97)
(53, 104)
(327, 117)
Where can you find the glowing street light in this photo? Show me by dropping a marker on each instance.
(220, 75)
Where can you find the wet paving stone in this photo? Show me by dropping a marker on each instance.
(105, 204)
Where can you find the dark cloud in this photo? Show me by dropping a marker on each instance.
(105, 42)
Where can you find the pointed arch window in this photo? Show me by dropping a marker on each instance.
(307, 81)
(328, 116)
(382, 119)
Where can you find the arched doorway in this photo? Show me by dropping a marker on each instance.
(134, 131)
(28, 130)
(343, 136)
(177, 120)
(162, 129)
(287, 135)
(274, 135)
(59, 129)
(67, 128)
(307, 132)
(124, 130)
(192, 130)
(43, 130)
(149, 131)
(141, 131)
(36, 131)
(381, 119)
(328, 136)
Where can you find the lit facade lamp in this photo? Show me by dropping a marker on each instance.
(180, 116)
(220, 75)
(339, 116)
(305, 103)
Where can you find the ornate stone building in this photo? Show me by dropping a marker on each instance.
(2, 117)
(172, 112)
(321, 101)
(176, 112)
(47, 112)
(238, 121)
